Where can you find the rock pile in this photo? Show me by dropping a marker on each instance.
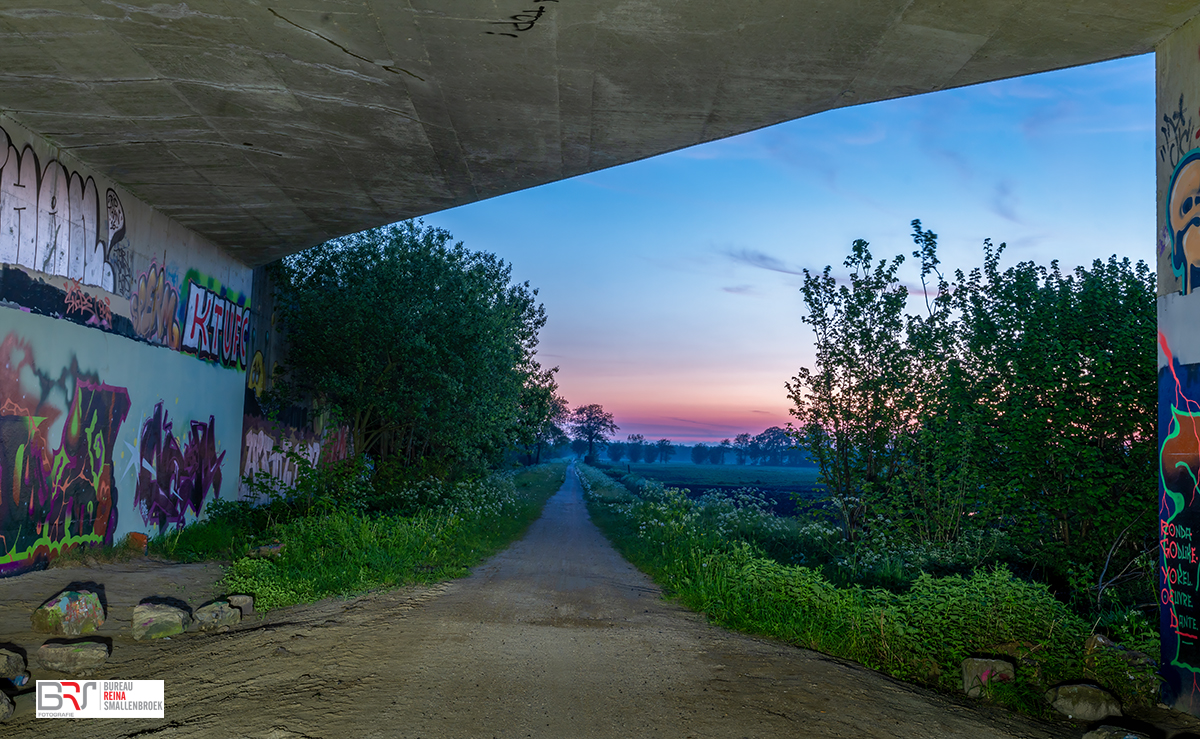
(74, 613)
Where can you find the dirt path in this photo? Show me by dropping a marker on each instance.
(556, 637)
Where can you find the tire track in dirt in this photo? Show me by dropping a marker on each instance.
(555, 637)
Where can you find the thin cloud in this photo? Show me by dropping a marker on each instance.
(761, 260)
(1046, 116)
(1004, 201)
(740, 290)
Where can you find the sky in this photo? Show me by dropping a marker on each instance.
(671, 285)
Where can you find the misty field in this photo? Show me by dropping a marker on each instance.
(777, 483)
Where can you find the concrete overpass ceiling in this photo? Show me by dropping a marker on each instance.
(268, 126)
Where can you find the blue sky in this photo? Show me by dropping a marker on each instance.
(671, 284)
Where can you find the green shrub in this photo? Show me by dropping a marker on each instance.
(707, 554)
(345, 551)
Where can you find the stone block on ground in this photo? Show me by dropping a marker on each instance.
(215, 615)
(6, 707)
(11, 664)
(1114, 732)
(1083, 702)
(244, 603)
(156, 620)
(77, 658)
(977, 672)
(70, 613)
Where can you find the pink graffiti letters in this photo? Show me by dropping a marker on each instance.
(78, 301)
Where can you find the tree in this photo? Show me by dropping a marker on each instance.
(665, 449)
(1060, 369)
(716, 453)
(424, 348)
(773, 443)
(616, 450)
(593, 424)
(634, 446)
(579, 446)
(849, 408)
(700, 453)
(543, 414)
(651, 453)
(741, 447)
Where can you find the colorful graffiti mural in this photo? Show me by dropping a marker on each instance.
(52, 221)
(1183, 218)
(173, 480)
(89, 280)
(54, 498)
(1179, 516)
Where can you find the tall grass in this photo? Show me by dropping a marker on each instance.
(704, 553)
(343, 550)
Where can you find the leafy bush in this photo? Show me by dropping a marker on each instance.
(702, 552)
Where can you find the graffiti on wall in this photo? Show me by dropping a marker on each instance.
(94, 310)
(53, 221)
(175, 479)
(54, 498)
(1179, 514)
(279, 452)
(216, 323)
(154, 307)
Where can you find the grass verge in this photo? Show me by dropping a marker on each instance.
(343, 551)
(921, 635)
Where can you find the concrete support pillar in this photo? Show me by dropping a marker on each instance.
(1177, 155)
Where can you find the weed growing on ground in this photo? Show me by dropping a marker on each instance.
(125, 550)
(707, 553)
(347, 539)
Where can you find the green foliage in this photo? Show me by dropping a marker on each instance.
(424, 348)
(705, 558)
(342, 551)
(1021, 399)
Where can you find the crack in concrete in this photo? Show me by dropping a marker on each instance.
(390, 68)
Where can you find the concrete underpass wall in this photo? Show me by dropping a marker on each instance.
(1178, 252)
(123, 355)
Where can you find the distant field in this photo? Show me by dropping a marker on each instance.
(778, 483)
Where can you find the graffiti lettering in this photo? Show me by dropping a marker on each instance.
(53, 500)
(270, 449)
(215, 327)
(1179, 514)
(154, 307)
(256, 376)
(264, 457)
(77, 301)
(521, 22)
(50, 221)
(171, 480)
(1177, 135)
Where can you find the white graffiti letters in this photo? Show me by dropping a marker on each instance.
(262, 456)
(215, 327)
(51, 219)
